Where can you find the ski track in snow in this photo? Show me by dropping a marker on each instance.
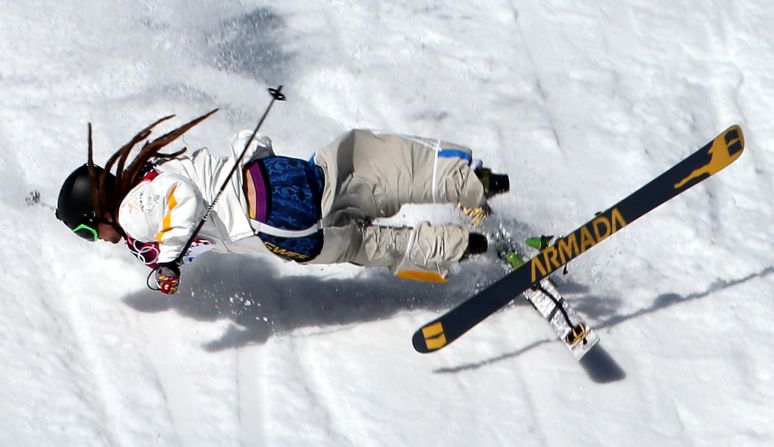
(251, 384)
(103, 391)
(535, 427)
(580, 103)
(537, 79)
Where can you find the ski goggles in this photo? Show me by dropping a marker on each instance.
(87, 232)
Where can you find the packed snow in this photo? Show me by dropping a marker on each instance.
(580, 102)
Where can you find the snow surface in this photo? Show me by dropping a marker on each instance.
(581, 102)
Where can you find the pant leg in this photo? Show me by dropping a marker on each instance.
(371, 174)
(425, 252)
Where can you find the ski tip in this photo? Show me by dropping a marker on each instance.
(726, 148)
(738, 129)
(736, 133)
(715, 155)
(734, 139)
(429, 338)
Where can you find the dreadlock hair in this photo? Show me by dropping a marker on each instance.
(107, 191)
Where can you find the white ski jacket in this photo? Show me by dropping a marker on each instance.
(167, 208)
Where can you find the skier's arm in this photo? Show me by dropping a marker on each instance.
(182, 207)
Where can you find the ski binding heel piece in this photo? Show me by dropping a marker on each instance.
(577, 335)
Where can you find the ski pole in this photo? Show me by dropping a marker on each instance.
(276, 95)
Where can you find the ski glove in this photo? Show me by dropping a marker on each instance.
(168, 277)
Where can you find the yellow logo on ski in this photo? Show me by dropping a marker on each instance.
(434, 336)
(572, 245)
(724, 150)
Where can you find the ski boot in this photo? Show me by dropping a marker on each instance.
(507, 250)
(493, 183)
(477, 245)
(539, 242)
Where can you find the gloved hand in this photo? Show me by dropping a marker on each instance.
(168, 277)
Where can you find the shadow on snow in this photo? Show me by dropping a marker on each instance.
(262, 302)
(598, 364)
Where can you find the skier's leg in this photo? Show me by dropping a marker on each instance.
(425, 245)
(425, 252)
(373, 174)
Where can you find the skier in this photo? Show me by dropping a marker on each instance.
(316, 212)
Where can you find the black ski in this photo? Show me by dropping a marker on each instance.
(714, 156)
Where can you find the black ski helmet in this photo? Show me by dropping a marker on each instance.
(75, 208)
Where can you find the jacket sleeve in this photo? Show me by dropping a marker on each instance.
(260, 146)
(181, 208)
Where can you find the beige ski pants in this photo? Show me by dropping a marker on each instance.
(371, 174)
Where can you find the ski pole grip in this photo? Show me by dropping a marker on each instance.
(277, 94)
